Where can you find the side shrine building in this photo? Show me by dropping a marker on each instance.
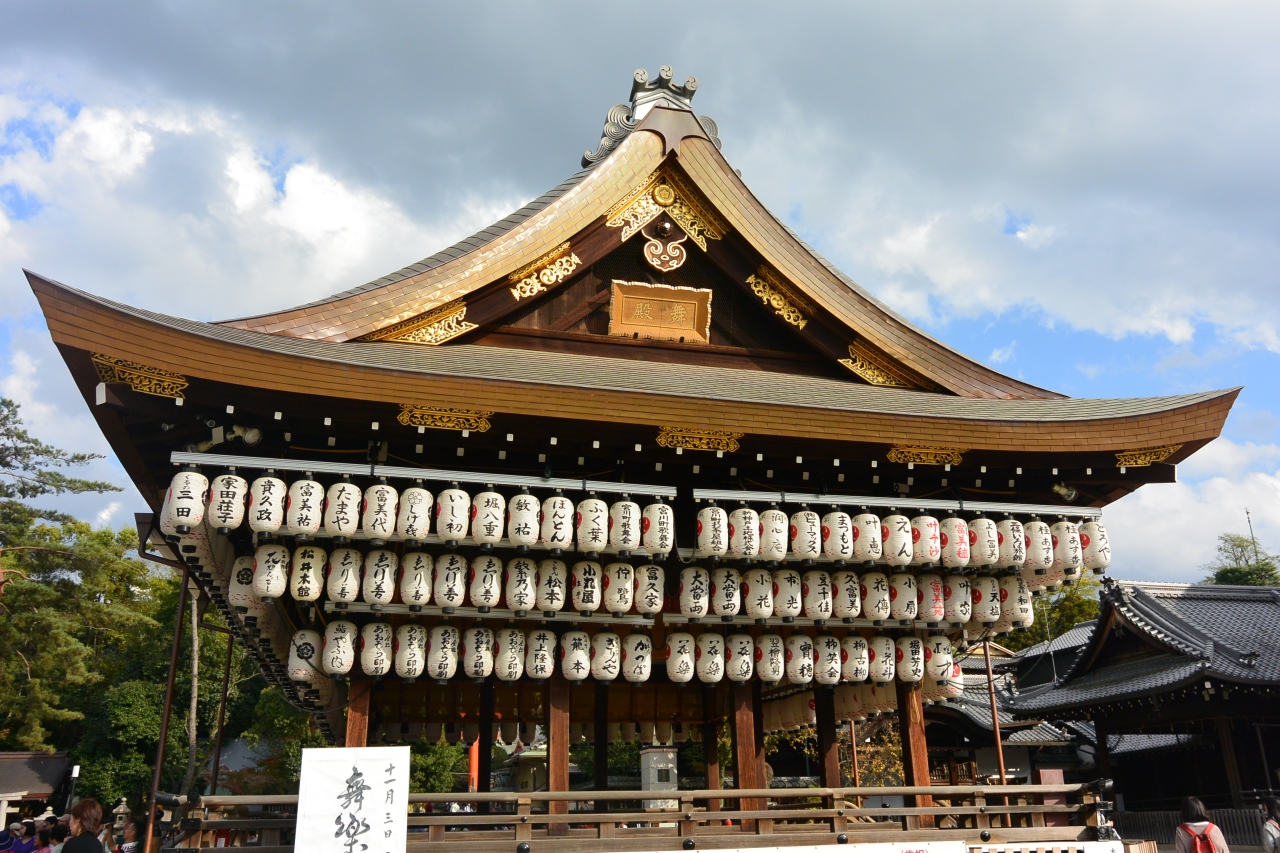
(635, 435)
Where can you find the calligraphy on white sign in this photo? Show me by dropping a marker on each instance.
(353, 800)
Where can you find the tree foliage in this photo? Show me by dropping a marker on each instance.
(1058, 612)
(28, 466)
(1241, 562)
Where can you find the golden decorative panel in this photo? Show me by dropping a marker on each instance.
(781, 297)
(874, 367)
(432, 328)
(664, 192)
(692, 438)
(140, 377)
(660, 312)
(437, 418)
(926, 455)
(1145, 456)
(552, 268)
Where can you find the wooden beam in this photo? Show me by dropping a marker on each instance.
(1227, 744)
(748, 771)
(915, 752)
(358, 695)
(558, 747)
(824, 701)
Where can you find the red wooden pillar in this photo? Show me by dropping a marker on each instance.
(558, 748)
(359, 692)
(824, 707)
(711, 757)
(748, 771)
(915, 753)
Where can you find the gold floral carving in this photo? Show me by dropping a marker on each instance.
(692, 438)
(432, 328)
(664, 192)
(140, 377)
(1145, 456)
(874, 367)
(552, 268)
(781, 297)
(926, 455)
(438, 418)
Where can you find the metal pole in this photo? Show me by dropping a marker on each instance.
(1249, 518)
(168, 702)
(222, 715)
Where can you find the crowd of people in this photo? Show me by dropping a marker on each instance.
(80, 831)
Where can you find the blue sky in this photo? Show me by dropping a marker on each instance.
(1084, 195)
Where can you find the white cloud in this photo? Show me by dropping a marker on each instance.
(1002, 354)
(107, 514)
(1036, 236)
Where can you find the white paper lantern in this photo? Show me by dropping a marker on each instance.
(774, 534)
(874, 589)
(709, 657)
(712, 531)
(339, 653)
(415, 580)
(1039, 542)
(343, 583)
(522, 520)
(540, 654)
(522, 582)
(954, 535)
(306, 573)
(584, 586)
(227, 495)
(453, 514)
(485, 582)
(618, 584)
(624, 527)
(815, 589)
(881, 652)
(903, 597)
(926, 541)
(1034, 582)
(756, 589)
(1067, 556)
(488, 517)
(952, 687)
(739, 657)
(376, 655)
(744, 533)
(342, 510)
(846, 595)
(657, 529)
(806, 710)
(557, 523)
(867, 545)
(304, 509)
(806, 535)
(725, 585)
(442, 653)
(266, 504)
(799, 658)
(411, 651)
(937, 656)
(680, 662)
(931, 599)
(837, 535)
(449, 589)
(695, 592)
(1015, 602)
(476, 653)
(1095, 545)
(788, 593)
(895, 531)
(1012, 542)
(957, 595)
(826, 659)
(909, 659)
(379, 586)
(984, 542)
(637, 657)
(553, 586)
(508, 654)
(867, 693)
(378, 519)
(304, 656)
(848, 702)
(985, 590)
(592, 526)
(413, 518)
(650, 589)
(855, 664)
(270, 572)
(575, 655)
(183, 508)
(770, 658)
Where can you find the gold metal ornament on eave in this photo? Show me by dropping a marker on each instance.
(1145, 456)
(926, 454)
(664, 192)
(431, 328)
(552, 268)
(140, 377)
(435, 417)
(693, 438)
(785, 301)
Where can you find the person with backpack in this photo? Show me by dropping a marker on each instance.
(1197, 834)
(1271, 825)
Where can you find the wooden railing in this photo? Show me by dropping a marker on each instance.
(588, 821)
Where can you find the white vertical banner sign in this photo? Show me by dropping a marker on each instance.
(353, 800)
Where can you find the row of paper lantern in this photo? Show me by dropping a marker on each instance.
(551, 586)
(413, 651)
(305, 508)
(857, 702)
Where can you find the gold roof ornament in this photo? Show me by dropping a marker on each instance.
(552, 268)
(926, 455)
(441, 418)
(781, 297)
(1145, 456)
(694, 438)
(871, 365)
(665, 192)
(432, 328)
(140, 377)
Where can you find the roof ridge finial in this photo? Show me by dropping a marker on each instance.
(645, 95)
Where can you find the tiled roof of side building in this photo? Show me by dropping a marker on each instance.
(1073, 638)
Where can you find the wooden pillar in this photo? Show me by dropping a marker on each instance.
(915, 752)
(824, 702)
(853, 749)
(484, 779)
(711, 757)
(1102, 750)
(558, 748)
(748, 772)
(601, 736)
(359, 692)
(1227, 744)
(757, 710)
